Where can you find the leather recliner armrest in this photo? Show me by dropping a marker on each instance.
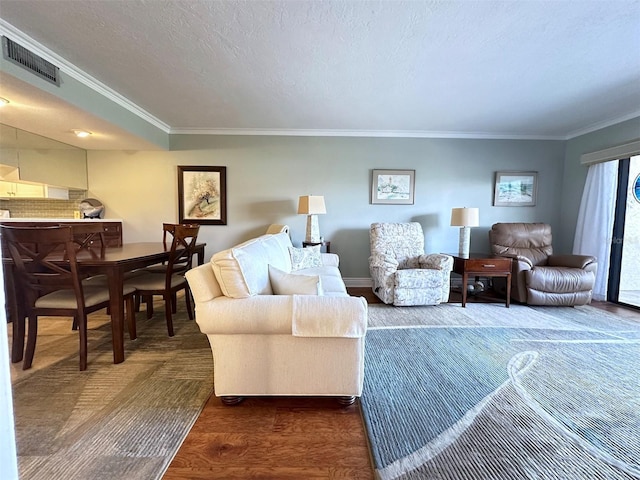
(523, 262)
(571, 261)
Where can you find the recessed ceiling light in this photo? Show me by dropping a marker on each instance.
(3, 102)
(81, 133)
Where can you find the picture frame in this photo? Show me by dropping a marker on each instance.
(392, 187)
(202, 195)
(515, 189)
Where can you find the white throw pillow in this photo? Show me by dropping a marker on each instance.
(283, 283)
(308, 257)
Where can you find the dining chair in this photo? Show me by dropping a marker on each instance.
(88, 236)
(151, 284)
(49, 284)
(168, 231)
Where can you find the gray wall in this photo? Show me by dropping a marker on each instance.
(575, 174)
(265, 176)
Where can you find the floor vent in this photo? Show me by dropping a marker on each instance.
(29, 60)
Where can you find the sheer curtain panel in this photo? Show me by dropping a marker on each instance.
(595, 220)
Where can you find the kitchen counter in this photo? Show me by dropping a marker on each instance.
(60, 220)
(112, 226)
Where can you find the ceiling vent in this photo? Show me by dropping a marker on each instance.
(21, 56)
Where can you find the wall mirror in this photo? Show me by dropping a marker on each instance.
(25, 156)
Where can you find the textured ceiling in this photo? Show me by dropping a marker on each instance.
(538, 69)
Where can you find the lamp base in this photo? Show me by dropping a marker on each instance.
(313, 230)
(463, 243)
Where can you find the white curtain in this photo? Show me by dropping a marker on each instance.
(595, 221)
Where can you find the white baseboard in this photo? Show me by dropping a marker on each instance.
(358, 282)
(456, 282)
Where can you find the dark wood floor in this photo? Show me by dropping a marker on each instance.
(288, 438)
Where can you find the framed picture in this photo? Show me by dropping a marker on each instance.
(515, 189)
(202, 195)
(392, 187)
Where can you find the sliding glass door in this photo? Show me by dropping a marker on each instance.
(624, 273)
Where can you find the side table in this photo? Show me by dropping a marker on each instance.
(311, 244)
(482, 265)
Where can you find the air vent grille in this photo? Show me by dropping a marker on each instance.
(29, 60)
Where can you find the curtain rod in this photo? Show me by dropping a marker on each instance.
(613, 153)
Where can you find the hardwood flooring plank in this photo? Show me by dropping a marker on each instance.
(264, 473)
(273, 450)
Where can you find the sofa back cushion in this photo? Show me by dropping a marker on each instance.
(243, 271)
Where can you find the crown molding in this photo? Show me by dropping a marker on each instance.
(357, 133)
(604, 124)
(74, 72)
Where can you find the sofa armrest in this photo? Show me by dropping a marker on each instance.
(330, 259)
(202, 283)
(571, 261)
(436, 261)
(329, 317)
(269, 314)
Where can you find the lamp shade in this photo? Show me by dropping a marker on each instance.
(311, 205)
(465, 217)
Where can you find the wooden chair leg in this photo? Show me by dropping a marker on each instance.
(167, 313)
(131, 317)
(31, 342)
(17, 340)
(149, 302)
(82, 326)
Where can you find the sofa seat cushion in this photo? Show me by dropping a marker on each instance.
(243, 271)
(559, 280)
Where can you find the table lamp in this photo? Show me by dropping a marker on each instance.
(312, 206)
(464, 218)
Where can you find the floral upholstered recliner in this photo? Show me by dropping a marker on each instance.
(402, 274)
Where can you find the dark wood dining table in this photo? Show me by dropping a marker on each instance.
(114, 263)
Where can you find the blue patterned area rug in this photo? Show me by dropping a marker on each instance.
(496, 394)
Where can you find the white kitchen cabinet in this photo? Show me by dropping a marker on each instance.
(21, 190)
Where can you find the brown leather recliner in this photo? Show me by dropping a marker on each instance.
(538, 276)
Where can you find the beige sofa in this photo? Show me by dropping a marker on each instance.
(280, 321)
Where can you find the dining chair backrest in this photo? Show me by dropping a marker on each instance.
(167, 228)
(88, 236)
(182, 249)
(44, 259)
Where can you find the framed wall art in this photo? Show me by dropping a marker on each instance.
(515, 189)
(392, 187)
(202, 195)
